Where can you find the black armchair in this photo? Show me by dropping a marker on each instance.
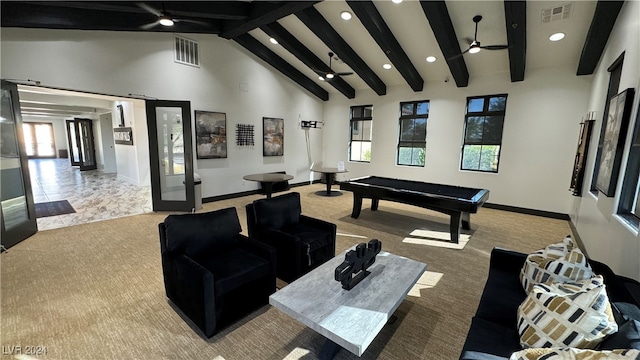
(213, 274)
(302, 243)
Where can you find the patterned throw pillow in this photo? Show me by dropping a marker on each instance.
(574, 354)
(572, 314)
(556, 263)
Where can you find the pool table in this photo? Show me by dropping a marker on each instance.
(456, 201)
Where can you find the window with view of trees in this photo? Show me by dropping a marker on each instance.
(360, 127)
(412, 137)
(484, 121)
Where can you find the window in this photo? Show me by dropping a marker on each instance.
(360, 126)
(483, 133)
(412, 137)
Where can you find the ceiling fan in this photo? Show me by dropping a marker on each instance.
(328, 75)
(474, 45)
(164, 18)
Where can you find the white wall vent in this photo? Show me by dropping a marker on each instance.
(186, 51)
(557, 13)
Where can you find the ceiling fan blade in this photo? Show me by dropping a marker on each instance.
(344, 73)
(457, 56)
(149, 9)
(494, 47)
(150, 25)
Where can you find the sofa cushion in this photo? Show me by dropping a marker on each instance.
(235, 268)
(488, 340)
(278, 211)
(573, 354)
(501, 297)
(571, 314)
(556, 263)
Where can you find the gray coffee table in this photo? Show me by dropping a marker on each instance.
(349, 319)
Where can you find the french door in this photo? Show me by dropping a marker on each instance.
(82, 150)
(17, 210)
(170, 152)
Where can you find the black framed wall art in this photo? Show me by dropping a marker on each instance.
(613, 145)
(273, 132)
(211, 134)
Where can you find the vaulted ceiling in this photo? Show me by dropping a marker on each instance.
(381, 32)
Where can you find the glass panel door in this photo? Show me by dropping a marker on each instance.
(17, 208)
(81, 145)
(169, 124)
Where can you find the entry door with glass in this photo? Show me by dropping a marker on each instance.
(170, 151)
(17, 210)
(81, 145)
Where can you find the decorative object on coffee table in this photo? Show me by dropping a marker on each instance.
(356, 263)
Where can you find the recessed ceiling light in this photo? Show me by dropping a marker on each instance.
(431, 59)
(556, 37)
(273, 41)
(387, 66)
(345, 15)
(320, 78)
(396, 1)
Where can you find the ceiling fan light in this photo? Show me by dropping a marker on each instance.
(556, 37)
(165, 21)
(431, 59)
(345, 15)
(474, 49)
(329, 76)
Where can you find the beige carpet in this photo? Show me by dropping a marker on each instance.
(95, 291)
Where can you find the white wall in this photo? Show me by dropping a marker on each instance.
(539, 139)
(122, 63)
(605, 236)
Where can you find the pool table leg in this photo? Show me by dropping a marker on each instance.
(466, 221)
(357, 205)
(374, 204)
(454, 226)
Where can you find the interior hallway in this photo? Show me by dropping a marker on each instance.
(94, 195)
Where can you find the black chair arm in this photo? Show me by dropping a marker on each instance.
(321, 224)
(195, 296)
(290, 249)
(261, 249)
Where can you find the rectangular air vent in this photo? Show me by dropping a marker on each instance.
(186, 51)
(557, 13)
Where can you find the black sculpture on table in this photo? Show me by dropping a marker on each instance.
(356, 263)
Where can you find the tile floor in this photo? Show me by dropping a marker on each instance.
(93, 194)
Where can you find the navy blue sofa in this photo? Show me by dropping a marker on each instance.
(493, 333)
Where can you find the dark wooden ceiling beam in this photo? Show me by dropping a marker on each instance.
(323, 30)
(602, 24)
(295, 47)
(515, 13)
(36, 15)
(440, 21)
(258, 49)
(370, 17)
(262, 13)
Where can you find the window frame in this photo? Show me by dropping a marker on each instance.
(353, 120)
(485, 112)
(412, 144)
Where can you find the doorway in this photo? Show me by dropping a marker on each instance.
(38, 140)
(82, 148)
